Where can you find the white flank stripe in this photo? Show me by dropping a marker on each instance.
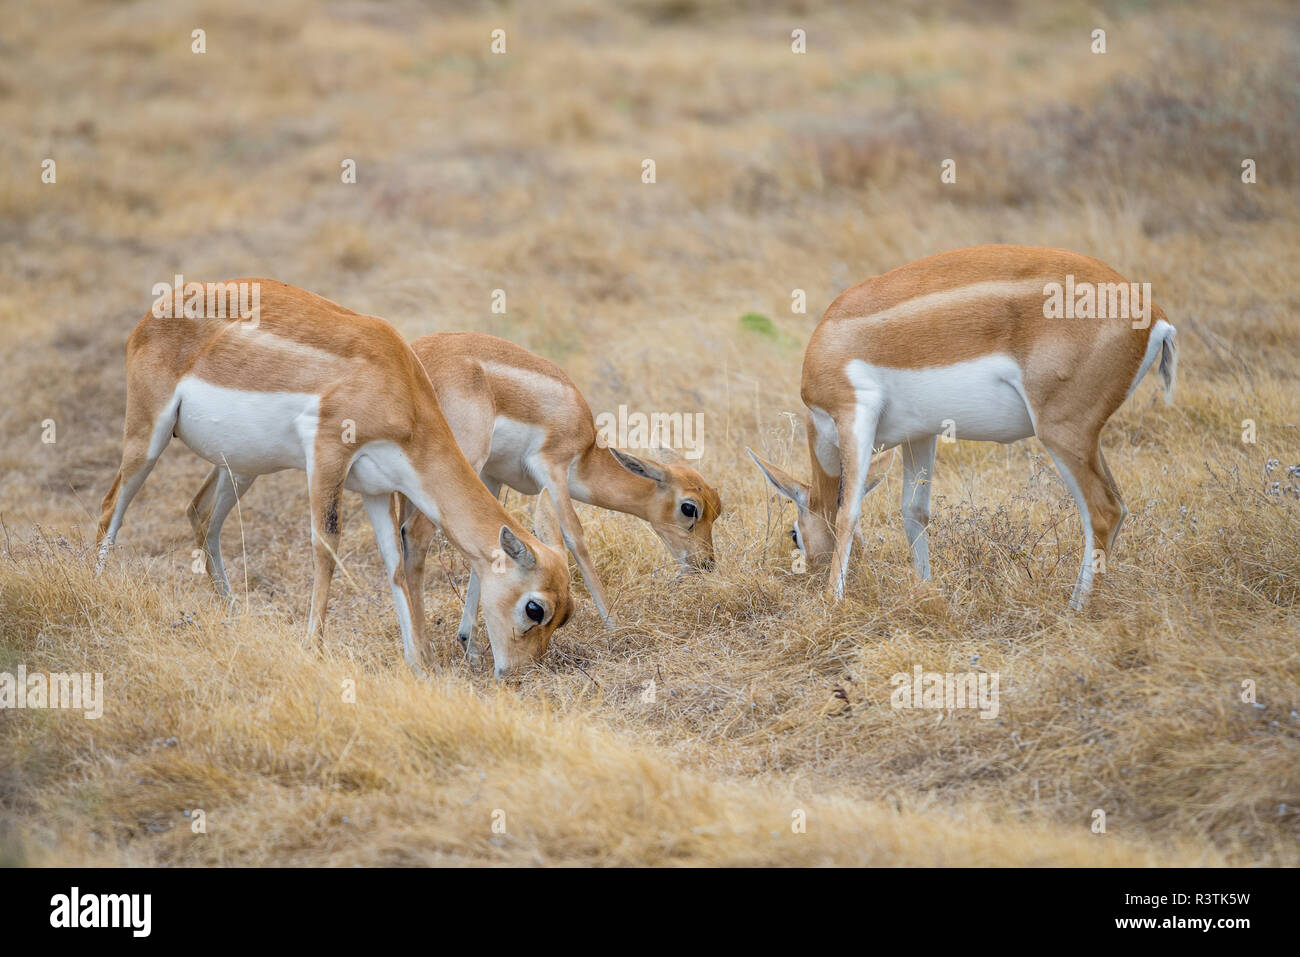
(960, 295)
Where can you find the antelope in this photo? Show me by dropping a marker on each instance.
(961, 344)
(521, 422)
(310, 385)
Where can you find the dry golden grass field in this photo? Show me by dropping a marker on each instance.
(1170, 703)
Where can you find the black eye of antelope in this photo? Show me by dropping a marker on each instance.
(535, 611)
(689, 510)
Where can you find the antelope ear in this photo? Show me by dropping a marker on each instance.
(521, 554)
(642, 467)
(786, 484)
(546, 522)
(879, 468)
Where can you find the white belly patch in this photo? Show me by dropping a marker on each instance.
(252, 433)
(514, 446)
(981, 400)
(380, 468)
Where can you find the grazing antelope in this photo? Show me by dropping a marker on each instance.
(311, 385)
(962, 343)
(521, 422)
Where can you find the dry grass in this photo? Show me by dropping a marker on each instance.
(775, 172)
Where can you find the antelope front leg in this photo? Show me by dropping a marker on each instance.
(416, 535)
(381, 520)
(148, 430)
(325, 488)
(469, 617)
(857, 433)
(576, 542)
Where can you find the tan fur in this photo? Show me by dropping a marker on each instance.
(364, 372)
(962, 305)
(479, 378)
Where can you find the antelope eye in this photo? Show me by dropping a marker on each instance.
(535, 611)
(689, 510)
(794, 535)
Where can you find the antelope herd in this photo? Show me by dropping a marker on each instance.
(966, 344)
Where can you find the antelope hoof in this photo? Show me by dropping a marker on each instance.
(471, 650)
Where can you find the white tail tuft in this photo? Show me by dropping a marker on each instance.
(1169, 364)
(1160, 345)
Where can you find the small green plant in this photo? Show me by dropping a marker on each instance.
(761, 325)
